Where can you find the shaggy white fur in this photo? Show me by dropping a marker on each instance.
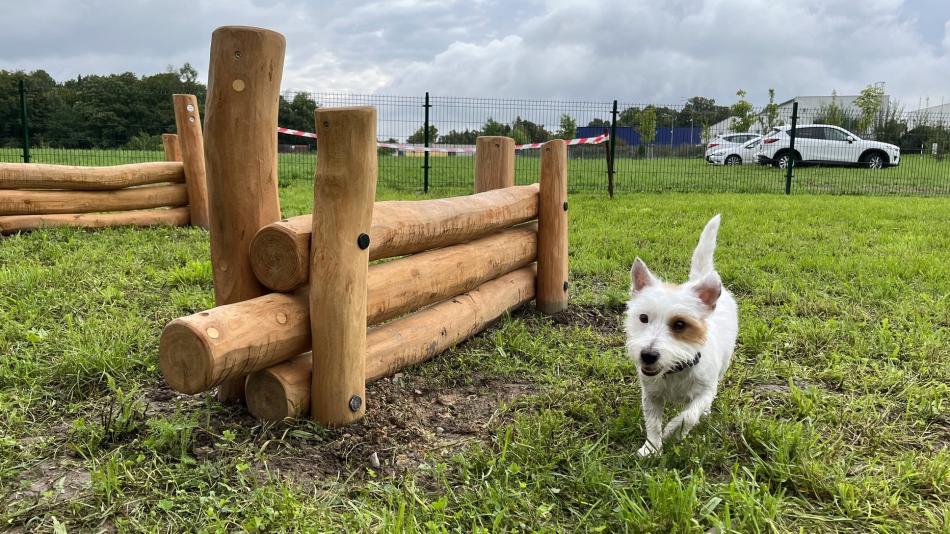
(682, 338)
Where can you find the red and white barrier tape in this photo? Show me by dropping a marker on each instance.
(458, 150)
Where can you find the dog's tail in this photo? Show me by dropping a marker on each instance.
(703, 255)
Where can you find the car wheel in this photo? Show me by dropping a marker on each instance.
(875, 160)
(782, 161)
(734, 160)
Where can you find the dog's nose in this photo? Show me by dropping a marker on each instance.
(649, 356)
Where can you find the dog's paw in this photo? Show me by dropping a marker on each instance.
(647, 450)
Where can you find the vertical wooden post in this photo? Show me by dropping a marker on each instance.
(172, 148)
(241, 158)
(344, 189)
(552, 228)
(494, 163)
(192, 146)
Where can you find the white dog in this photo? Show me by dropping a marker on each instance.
(682, 338)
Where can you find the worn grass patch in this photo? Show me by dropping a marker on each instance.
(833, 416)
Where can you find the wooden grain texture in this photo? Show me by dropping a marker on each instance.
(240, 130)
(257, 333)
(42, 176)
(552, 229)
(171, 146)
(344, 189)
(170, 217)
(494, 163)
(192, 155)
(283, 390)
(409, 283)
(35, 202)
(280, 251)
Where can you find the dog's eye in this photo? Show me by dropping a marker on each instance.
(679, 326)
(644, 318)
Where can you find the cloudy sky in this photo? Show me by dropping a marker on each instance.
(632, 50)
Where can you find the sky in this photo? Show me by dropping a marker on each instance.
(643, 51)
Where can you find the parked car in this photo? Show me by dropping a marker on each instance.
(824, 144)
(726, 140)
(735, 154)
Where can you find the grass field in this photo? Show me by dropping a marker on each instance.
(917, 175)
(833, 418)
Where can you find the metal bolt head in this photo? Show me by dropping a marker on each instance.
(565, 285)
(362, 241)
(565, 205)
(355, 403)
(237, 54)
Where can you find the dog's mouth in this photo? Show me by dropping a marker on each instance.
(649, 372)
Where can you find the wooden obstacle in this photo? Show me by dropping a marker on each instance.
(141, 194)
(334, 322)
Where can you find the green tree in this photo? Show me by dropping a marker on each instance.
(836, 115)
(743, 118)
(869, 102)
(647, 125)
(568, 128)
(535, 133)
(769, 116)
(465, 137)
(418, 137)
(629, 117)
(493, 127)
(297, 114)
(520, 135)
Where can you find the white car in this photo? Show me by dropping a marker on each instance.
(825, 144)
(735, 154)
(727, 140)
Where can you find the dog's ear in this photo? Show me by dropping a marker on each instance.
(708, 289)
(640, 276)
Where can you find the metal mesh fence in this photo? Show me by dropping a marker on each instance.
(682, 148)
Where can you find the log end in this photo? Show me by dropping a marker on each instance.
(280, 257)
(184, 357)
(268, 399)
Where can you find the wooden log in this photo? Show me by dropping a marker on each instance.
(344, 189)
(494, 163)
(283, 390)
(280, 252)
(192, 146)
(42, 176)
(407, 284)
(170, 217)
(241, 158)
(34, 202)
(552, 229)
(171, 146)
(201, 350)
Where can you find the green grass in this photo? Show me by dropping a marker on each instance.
(917, 175)
(834, 416)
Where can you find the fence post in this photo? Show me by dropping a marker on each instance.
(172, 148)
(425, 141)
(241, 161)
(192, 146)
(344, 187)
(611, 158)
(791, 150)
(25, 122)
(494, 163)
(551, 294)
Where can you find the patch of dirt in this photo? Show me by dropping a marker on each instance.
(602, 320)
(52, 480)
(406, 420)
